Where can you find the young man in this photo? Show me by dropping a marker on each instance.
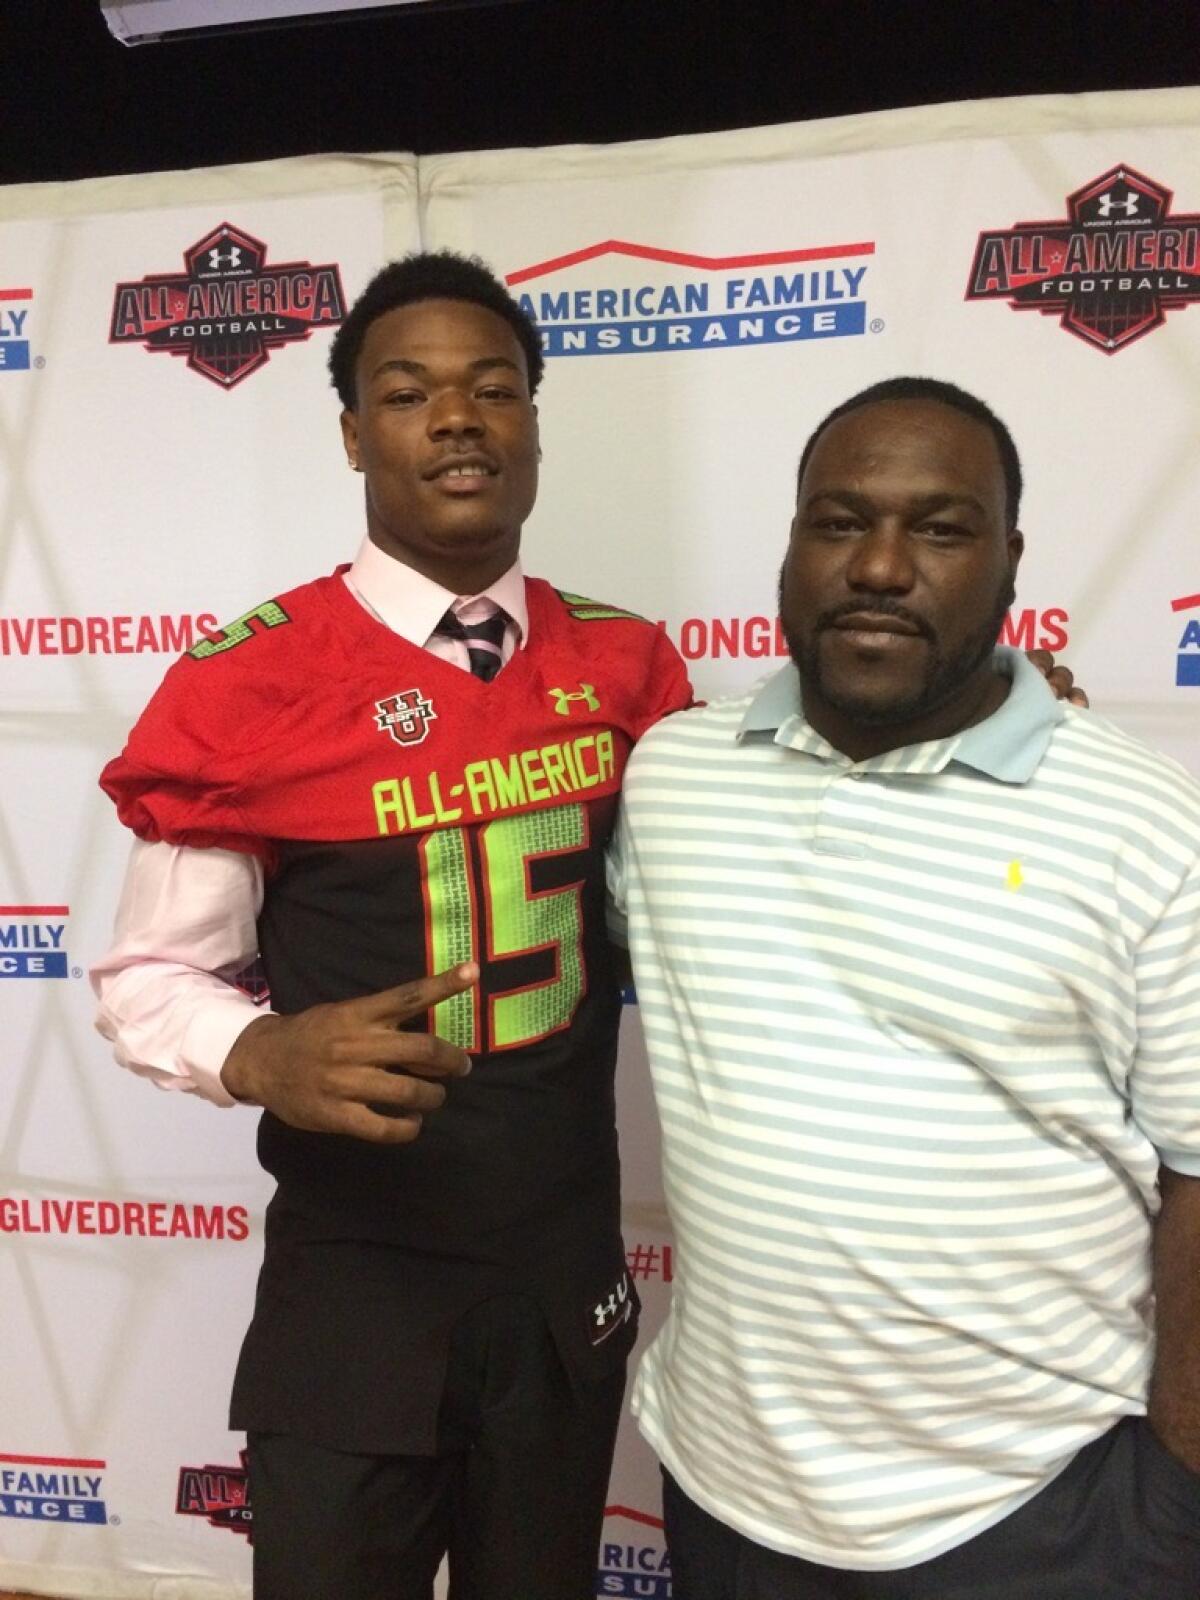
(408, 768)
(916, 951)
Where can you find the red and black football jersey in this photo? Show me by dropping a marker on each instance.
(410, 817)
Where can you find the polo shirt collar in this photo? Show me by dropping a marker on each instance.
(412, 605)
(1008, 745)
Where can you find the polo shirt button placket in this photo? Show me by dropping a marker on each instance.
(844, 824)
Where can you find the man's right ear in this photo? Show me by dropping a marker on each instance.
(349, 422)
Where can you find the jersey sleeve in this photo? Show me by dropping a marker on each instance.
(668, 686)
(179, 776)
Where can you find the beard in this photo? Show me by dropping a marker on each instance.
(944, 674)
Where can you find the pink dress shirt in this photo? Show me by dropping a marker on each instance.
(186, 921)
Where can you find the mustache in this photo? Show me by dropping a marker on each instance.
(881, 606)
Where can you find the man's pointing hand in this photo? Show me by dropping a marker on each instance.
(324, 1069)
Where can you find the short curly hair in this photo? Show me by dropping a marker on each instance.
(428, 275)
(944, 394)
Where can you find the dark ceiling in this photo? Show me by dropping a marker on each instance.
(456, 76)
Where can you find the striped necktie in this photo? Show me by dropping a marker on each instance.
(484, 641)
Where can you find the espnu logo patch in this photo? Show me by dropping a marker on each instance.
(31, 941)
(1187, 662)
(1110, 271)
(52, 1489)
(707, 303)
(219, 1494)
(406, 716)
(228, 309)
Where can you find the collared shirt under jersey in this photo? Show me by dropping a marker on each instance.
(922, 1028)
(187, 918)
(412, 605)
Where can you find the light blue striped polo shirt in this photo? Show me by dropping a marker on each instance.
(921, 1028)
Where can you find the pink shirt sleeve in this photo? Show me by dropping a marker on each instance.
(185, 925)
(187, 918)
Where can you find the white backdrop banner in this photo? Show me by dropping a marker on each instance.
(704, 302)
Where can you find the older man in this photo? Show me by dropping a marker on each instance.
(916, 947)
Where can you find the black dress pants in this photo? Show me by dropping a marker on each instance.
(515, 1495)
(1120, 1522)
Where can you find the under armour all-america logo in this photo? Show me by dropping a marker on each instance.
(1111, 269)
(585, 694)
(230, 309)
(1109, 202)
(406, 716)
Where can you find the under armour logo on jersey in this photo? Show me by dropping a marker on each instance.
(586, 693)
(225, 258)
(612, 1311)
(406, 716)
(1108, 203)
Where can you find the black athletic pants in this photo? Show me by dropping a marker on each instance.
(515, 1495)
(1121, 1522)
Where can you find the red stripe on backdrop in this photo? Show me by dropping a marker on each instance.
(16, 294)
(1188, 603)
(679, 258)
(51, 1461)
(634, 1516)
(34, 911)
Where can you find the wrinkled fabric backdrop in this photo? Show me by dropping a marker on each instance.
(705, 301)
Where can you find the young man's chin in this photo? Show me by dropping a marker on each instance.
(468, 533)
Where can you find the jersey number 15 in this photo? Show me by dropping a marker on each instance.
(499, 901)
